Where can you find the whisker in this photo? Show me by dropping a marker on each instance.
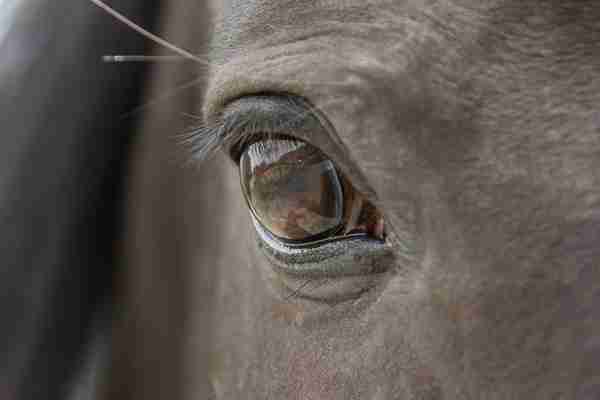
(183, 55)
(171, 93)
(141, 58)
(146, 33)
(174, 92)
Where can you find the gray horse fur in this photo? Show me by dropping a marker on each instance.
(473, 125)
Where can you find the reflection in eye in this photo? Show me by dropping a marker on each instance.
(297, 194)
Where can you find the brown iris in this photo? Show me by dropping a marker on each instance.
(297, 194)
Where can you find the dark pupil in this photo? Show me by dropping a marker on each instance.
(292, 189)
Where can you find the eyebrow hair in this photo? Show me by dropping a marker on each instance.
(247, 117)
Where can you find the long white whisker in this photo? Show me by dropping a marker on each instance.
(183, 55)
(141, 58)
(146, 33)
(166, 96)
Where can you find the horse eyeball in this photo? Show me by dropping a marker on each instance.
(292, 189)
(297, 194)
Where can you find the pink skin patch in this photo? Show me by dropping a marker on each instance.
(310, 379)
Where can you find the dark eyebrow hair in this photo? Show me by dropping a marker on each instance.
(246, 118)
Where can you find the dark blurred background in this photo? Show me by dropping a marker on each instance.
(65, 135)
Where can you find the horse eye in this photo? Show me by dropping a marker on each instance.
(296, 193)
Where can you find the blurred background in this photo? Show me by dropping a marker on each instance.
(74, 133)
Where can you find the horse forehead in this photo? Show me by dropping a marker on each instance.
(240, 22)
(244, 10)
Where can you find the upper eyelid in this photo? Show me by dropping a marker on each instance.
(258, 115)
(243, 118)
(267, 115)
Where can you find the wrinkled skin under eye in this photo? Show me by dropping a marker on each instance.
(296, 193)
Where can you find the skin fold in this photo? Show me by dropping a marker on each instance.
(473, 126)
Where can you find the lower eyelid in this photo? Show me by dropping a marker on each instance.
(348, 256)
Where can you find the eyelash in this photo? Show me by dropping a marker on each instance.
(235, 130)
